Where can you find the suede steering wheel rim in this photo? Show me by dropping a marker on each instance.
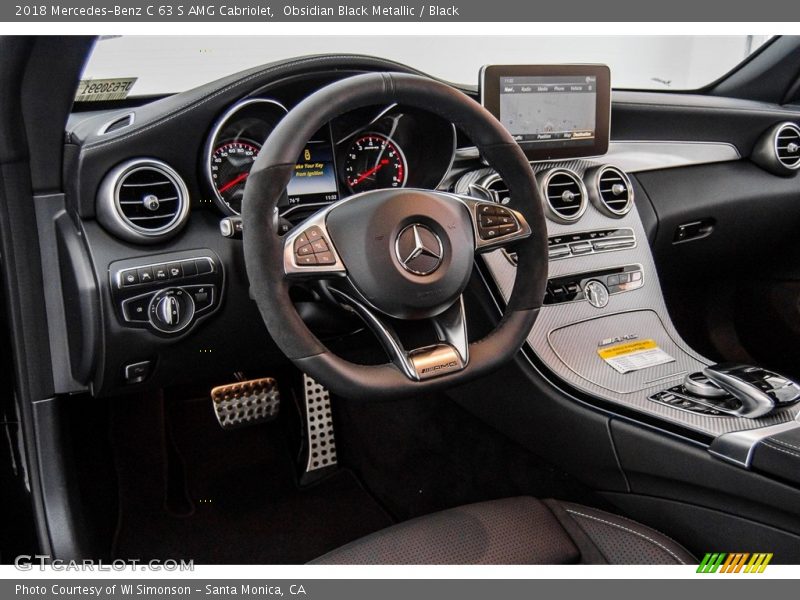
(455, 222)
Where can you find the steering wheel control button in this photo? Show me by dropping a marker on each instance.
(311, 249)
(596, 293)
(137, 372)
(495, 221)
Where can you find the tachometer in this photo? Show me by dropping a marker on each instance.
(230, 165)
(374, 161)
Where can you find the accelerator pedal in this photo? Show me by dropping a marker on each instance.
(321, 442)
(246, 402)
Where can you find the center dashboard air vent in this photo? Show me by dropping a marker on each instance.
(778, 149)
(564, 194)
(610, 190)
(143, 201)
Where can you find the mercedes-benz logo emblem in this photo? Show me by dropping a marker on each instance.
(418, 249)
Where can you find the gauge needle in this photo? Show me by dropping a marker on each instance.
(366, 174)
(233, 182)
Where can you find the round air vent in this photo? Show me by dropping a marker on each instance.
(787, 146)
(498, 188)
(143, 200)
(778, 149)
(610, 190)
(565, 195)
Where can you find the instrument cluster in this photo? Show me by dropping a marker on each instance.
(370, 148)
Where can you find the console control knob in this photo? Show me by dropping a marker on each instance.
(171, 310)
(700, 385)
(596, 293)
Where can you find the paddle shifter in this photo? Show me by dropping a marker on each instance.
(741, 390)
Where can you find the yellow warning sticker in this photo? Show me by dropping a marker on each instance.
(634, 356)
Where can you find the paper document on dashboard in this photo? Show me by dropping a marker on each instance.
(634, 356)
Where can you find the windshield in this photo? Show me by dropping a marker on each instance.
(172, 64)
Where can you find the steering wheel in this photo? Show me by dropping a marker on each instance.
(394, 253)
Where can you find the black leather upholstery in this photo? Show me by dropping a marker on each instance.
(779, 455)
(519, 530)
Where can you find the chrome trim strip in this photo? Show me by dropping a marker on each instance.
(737, 447)
(635, 156)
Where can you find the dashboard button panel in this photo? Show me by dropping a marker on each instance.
(166, 294)
(565, 245)
(594, 286)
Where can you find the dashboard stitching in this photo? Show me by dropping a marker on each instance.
(195, 104)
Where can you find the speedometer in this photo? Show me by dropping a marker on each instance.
(230, 165)
(374, 161)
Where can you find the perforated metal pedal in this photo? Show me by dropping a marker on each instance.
(246, 402)
(319, 426)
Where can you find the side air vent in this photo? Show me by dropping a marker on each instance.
(117, 124)
(787, 146)
(778, 149)
(610, 190)
(564, 194)
(143, 201)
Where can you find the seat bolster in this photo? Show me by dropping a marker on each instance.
(622, 541)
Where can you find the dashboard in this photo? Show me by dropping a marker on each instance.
(156, 296)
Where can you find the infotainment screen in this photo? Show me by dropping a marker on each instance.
(551, 111)
(314, 178)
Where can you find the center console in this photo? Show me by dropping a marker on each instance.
(604, 331)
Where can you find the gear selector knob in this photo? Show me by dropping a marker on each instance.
(760, 391)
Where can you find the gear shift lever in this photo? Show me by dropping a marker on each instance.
(760, 391)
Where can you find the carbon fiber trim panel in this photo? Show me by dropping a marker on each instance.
(566, 336)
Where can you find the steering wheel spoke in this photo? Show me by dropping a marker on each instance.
(308, 251)
(449, 355)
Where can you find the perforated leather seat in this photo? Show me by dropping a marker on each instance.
(519, 530)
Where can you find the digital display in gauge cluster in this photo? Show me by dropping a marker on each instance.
(314, 178)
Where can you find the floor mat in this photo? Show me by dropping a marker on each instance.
(426, 453)
(241, 503)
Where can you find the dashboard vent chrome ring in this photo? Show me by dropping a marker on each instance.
(564, 195)
(610, 190)
(143, 200)
(787, 145)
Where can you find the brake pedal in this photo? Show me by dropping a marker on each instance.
(321, 442)
(246, 403)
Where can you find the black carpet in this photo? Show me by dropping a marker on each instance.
(426, 454)
(190, 490)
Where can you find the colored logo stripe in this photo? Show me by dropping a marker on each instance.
(735, 562)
